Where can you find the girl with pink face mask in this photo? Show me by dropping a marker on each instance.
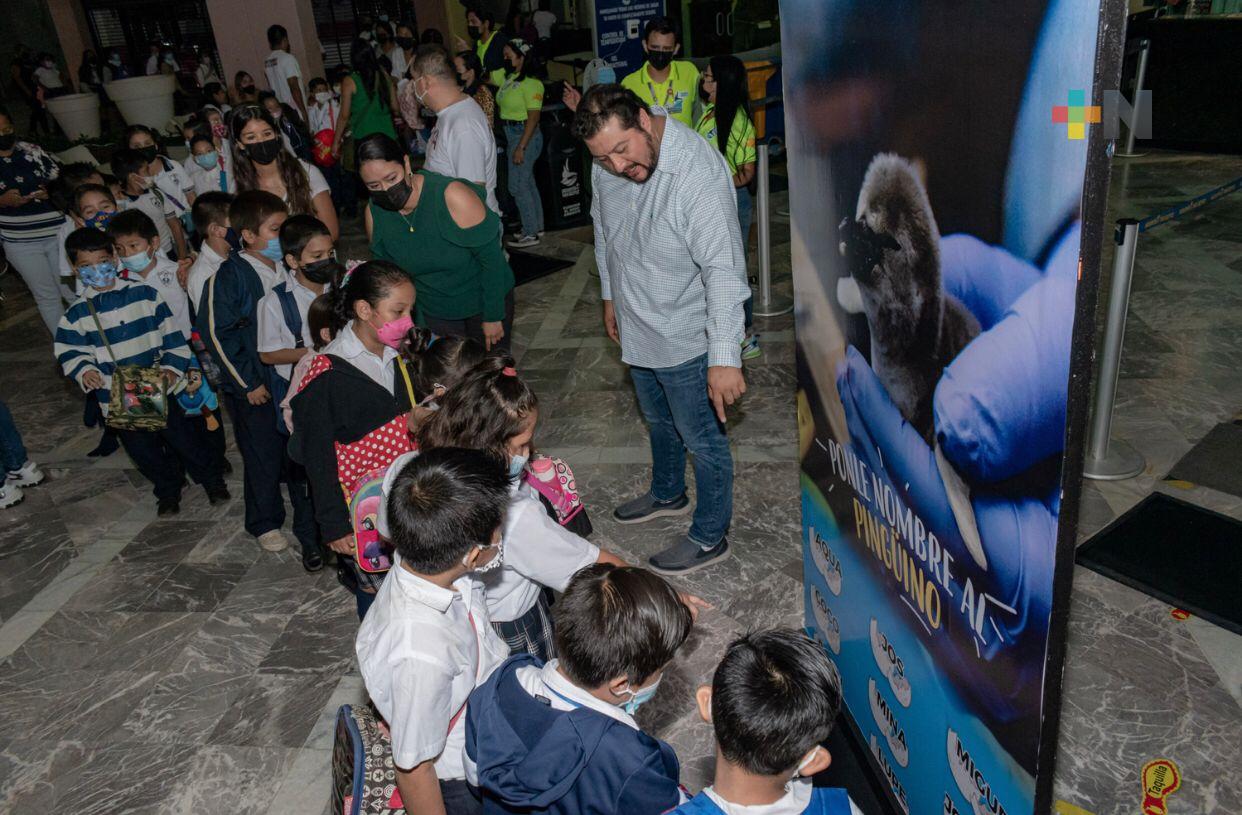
(351, 415)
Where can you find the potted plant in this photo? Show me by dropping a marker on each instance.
(144, 100)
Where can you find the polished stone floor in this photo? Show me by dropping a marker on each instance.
(172, 666)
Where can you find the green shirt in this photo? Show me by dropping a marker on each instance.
(367, 113)
(516, 97)
(457, 273)
(675, 94)
(740, 149)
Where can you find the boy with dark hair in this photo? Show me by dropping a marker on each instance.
(427, 641)
(285, 335)
(561, 737)
(773, 701)
(141, 193)
(672, 84)
(125, 322)
(211, 220)
(227, 321)
(137, 244)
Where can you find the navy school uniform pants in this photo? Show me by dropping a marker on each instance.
(165, 456)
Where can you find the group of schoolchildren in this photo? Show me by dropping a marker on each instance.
(479, 724)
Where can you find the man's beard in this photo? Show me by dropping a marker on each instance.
(650, 168)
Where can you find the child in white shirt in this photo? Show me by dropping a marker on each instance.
(211, 220)
(137, 244)
(142, 194)
(427, 641)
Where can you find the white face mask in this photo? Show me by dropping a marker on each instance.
(494, 563)
(323, 97)
(805, 762)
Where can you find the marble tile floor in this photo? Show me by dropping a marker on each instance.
(151, 666)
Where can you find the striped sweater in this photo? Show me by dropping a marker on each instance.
(138, 324)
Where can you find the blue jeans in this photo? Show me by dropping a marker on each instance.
(745, 213)
(522, 177)
(12, 451)
(680, 417)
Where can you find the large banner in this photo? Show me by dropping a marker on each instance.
(945, 181)
(619, 28)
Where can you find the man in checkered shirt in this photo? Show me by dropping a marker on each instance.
(673, 277)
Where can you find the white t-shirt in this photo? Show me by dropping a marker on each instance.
(159, 209)
(49, 77)
(421, 650)
(323, 116)
(314, 177)
(399, 62)
(795, 801)
(463, 146)
(274, 333)
(280, 67)
(163, 278)
(205, 267)
(537, 550)
(543, 21)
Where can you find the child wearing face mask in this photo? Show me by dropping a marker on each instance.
(773, 701)
(492, 409)
(426, 643)
(63, 194)
(350, 413)
(324, 110)
(126, 322)
(227, 321)
(207, 168)
(137, 244)
(559, 737)
(141, 193)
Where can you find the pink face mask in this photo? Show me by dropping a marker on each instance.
(392, 333)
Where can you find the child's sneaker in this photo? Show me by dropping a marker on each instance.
(10, 494)
(750, 347)
(273, 541)
(28, 475)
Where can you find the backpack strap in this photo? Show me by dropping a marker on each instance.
(289, 308)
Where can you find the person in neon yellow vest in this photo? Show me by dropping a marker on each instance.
(663, 80)
(489, 44)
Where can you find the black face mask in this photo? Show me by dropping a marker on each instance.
(405, 42)
(233, 238)
(473, 31)
(660, 59)
(319, 271)
(148, 153)
(393, 198)
(7, 141)
(509, 67)
(264, 152)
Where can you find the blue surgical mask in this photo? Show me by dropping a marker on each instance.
(272, 250)
(98, 275)
(207, 161)
(516, 465)
(138, 262)
(640, 696)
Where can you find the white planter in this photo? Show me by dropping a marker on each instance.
(77, 114)
(146, 100)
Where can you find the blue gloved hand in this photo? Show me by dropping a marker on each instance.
(1000, 408)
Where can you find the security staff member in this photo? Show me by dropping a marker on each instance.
(489, 44)
(663, 81)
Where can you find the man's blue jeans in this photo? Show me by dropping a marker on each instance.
(680, 417)
(12, 452)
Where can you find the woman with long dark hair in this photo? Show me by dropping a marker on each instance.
(470, 73)
(726, 110)
(243, 89)
(261, 162)
(368, 98)
(442, 234)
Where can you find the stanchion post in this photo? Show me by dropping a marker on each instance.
(767, 305)
(1140, 78)
(1108, 459)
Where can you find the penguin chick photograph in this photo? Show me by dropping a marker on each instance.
(892, 252)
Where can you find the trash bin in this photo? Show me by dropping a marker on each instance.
(562, 173)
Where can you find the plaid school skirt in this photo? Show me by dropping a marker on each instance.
(532, 633)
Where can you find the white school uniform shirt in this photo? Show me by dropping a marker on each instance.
(538, 551)
(158, 208)
(274, 333)
(796, 799)
(174, 182)
(463, 146)
(323, 116)
(163, 278)
(280, 67)
(422, 649)
(209, 180)
(205, 267)
(348, 347)
(268, 276)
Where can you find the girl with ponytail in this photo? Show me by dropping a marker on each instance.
(350, 414)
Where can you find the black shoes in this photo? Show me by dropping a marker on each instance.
(168, 506)
(218, 495)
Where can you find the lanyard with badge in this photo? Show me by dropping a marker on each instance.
(668, 94)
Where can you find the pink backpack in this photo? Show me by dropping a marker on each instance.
(552, 478)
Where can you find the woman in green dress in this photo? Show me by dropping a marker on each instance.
(440, 231)
(368, 99)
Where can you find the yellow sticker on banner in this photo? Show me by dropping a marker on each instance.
(1066, 808)
(1161, 778)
